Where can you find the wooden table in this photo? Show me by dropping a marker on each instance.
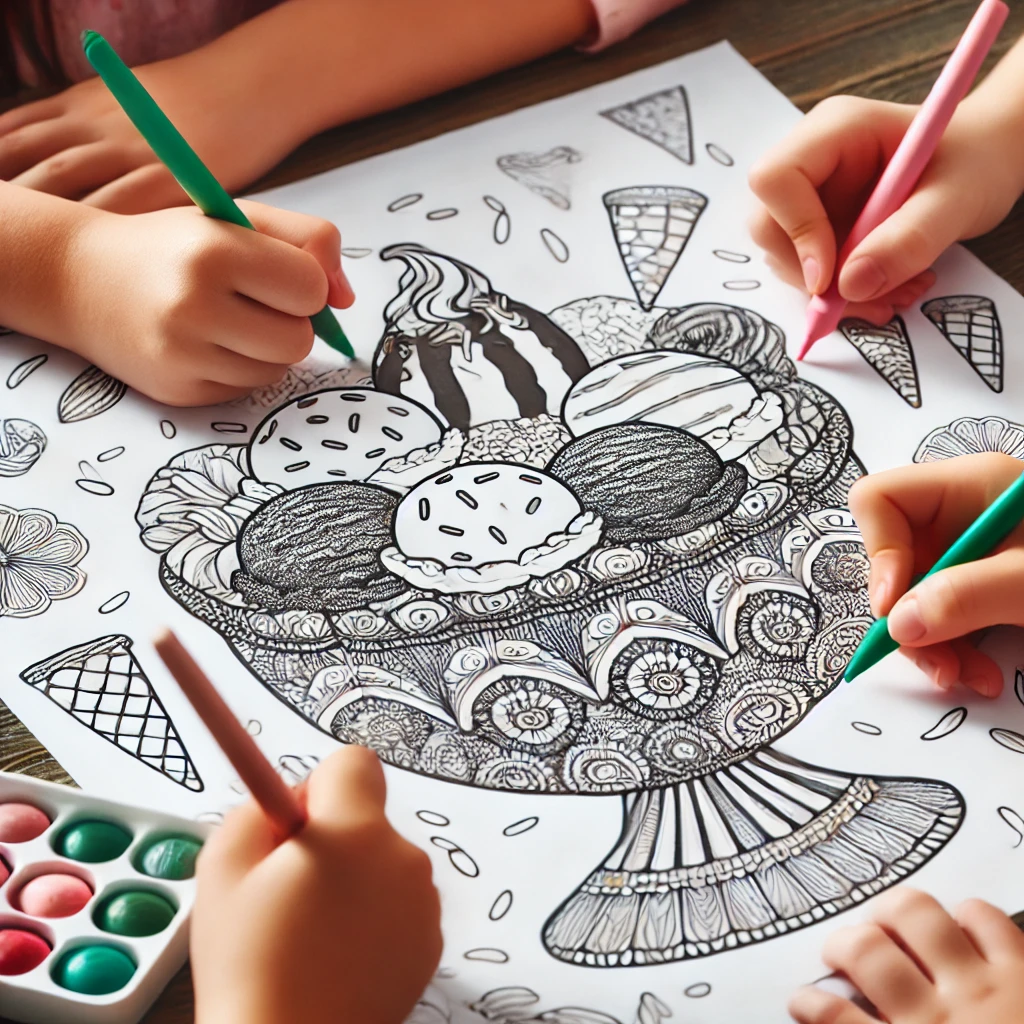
(810, 49)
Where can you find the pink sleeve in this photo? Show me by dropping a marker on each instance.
(617, 19)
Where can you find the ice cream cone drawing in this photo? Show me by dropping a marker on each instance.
(652, 224)
(544, 174)
(662, 118)
(888, 351)
(971, 325)
(102, 686)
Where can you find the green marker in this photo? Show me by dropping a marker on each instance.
(181, 160)
(981, 538)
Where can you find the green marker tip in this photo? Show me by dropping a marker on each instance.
(327, 327)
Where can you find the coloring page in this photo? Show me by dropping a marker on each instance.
(568, 546)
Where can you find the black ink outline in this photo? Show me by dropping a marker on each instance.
(889, 351)
(459, 859)
(539, 172)
(434, 818)
(965, 321)
(26, 566)
(527, 824)
(969, 435)
(1009, 739)
(730, 257)
(501, 905)
(24, 370)
(98, 488)
(649, 266)
(1005, 813)
(555, 245)
(502, 230)
(124, 709)
(403, 202)
(444, 213)
(22, 444)
(90, 394)
(111, 453)
(661, 117)
(167, 425)
(867, 728)
(495, 955)
(947, 724)
(718, 154)
(109, 606)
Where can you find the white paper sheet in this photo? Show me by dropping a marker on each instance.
(529, 190)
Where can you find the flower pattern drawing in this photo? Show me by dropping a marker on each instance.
(38, 561)
(597, 552)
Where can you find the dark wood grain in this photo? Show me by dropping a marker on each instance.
(810, 49)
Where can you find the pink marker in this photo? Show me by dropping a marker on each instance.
(911, 157)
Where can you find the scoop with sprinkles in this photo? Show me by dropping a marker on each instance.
(343, 434)
(480, 513)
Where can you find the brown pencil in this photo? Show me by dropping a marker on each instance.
(268, 789)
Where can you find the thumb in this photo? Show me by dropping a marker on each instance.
(903, 246)
(320, 238)
(961, 600)
(347, 789)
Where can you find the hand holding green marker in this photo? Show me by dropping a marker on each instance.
(181, 160)
(981, 538)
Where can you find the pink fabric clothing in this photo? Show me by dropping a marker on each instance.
(143, 31)
(147, 30)
(617, 19)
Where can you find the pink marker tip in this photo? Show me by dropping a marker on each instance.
(823, 315)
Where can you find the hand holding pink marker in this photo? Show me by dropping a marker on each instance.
(911, 157)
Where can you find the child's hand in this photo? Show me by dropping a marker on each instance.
(909, 517)
(815, 183)
(192, 311)
(918, 964)
(339, 925)
(81, 145)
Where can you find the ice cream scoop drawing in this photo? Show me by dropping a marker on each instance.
(625, 576)
(468, 352)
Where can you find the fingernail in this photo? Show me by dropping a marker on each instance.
(906, 624)
(880, 596)
(862, 279)
(341, 282)
(811, 273)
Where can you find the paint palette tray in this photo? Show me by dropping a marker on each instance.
(122, 938)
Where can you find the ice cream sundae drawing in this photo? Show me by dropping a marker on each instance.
(603, 551)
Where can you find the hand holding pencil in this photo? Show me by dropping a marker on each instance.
(310, 907)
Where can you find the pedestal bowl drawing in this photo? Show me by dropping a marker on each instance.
(633, 583)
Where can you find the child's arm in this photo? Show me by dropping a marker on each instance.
(814, 184)
(340, 925)
(909, 517)
(916, 963)
(250, 97)
(183, 308)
